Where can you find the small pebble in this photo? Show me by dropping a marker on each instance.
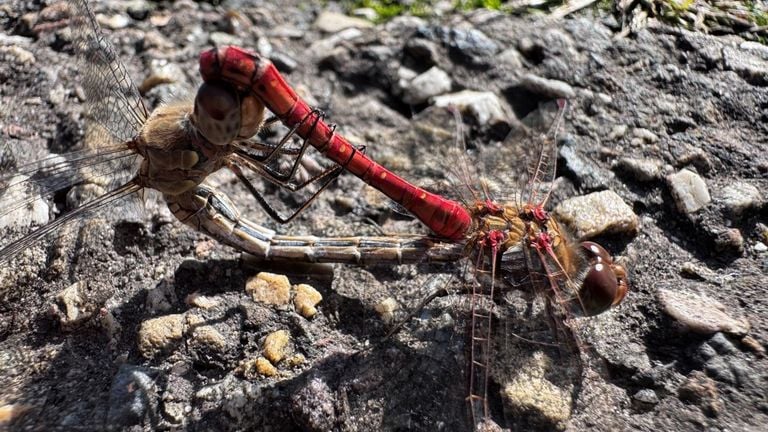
(645, 399)
(70, 306)
(617, 132)
(642, 170)
(218, 38)
(158, 334)
(138, 9)
(201, 301)
(689, 191)
(295, 360)
(739, 196)
(114, 22)
(209, 337)
(173, 411)
(17, 54)
(275, 344)
(269, 288)
(596, 214)
(161, 72)
(645, 135)
(306, 299)
(548, 88)
(700, 314)
(332, 22)
(265, 368)
(431, 83)
(530, 394)
(284, 62)
(386, 309)
(485, 106)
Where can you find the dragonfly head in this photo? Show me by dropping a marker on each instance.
(223, 114)
(605, 283)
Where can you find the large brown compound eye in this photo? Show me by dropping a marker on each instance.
(251, 115)
(217, 113)
(605, 284)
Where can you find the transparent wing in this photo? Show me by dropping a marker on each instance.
(97, 172)
(469, 167)
(521, 168)
(113, 104)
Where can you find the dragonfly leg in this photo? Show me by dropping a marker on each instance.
(313, 117)
(325, 177)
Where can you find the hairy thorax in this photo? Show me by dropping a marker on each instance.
(176, 157)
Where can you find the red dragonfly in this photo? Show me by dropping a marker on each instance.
(494, 234)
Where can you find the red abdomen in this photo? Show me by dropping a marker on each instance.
(246, 70)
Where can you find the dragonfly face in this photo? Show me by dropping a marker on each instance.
(605, 283)
(222, 114)
(588, 272)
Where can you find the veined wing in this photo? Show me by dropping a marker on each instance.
(114, 113)
(517, 169)
(112, 99)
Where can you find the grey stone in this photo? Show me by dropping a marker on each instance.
(689, 191)
(431, 83)
(485, 106)
(596, 214)
(739, 196)
(750, 67)
(549, 88)
(642, 170)
(700, 314)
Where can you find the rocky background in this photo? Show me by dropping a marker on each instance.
(138, 323)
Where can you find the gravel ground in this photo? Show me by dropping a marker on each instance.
(135, 322)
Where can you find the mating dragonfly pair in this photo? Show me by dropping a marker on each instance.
(173, 150)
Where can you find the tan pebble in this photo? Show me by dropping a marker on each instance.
(754, 345)
(204, 248)
(274, 345)
(201, 301)
(247, 368)
(530, 394)
(264, 367)
(295, 360)
(207, 335)
(306, 299)
(269, 288)
(159, 333)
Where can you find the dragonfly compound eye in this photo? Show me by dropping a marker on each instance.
(251, 115)
(605, 283)
(217, 113)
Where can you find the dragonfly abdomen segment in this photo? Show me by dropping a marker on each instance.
(246, 70)
(213, 214)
